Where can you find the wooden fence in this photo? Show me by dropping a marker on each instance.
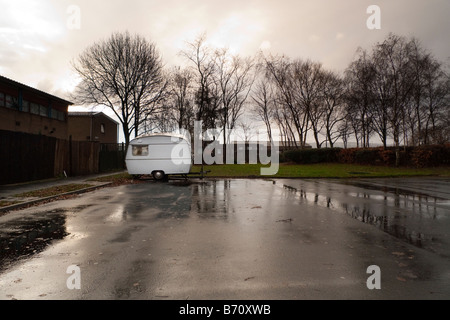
(111, 157)
(26, 157)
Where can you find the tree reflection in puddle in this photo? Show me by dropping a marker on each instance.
(212, 200)
(417, 218)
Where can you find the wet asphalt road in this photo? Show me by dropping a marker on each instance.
(234, 239)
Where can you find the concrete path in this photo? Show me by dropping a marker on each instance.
(8, 193)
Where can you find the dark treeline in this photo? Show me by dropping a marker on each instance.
(396, 91)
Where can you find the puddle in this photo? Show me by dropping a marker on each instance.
(418, 218)
(212, 200)
(394, 190)
(117, 215)
(24, 237)
(179, 200)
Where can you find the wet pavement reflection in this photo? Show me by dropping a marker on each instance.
(233, 239)
(416, 214)
(29, 235)
(212, 199)
(24, 237)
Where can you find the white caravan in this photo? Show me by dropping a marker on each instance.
(159, 155)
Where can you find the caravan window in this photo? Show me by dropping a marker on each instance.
(140, 151)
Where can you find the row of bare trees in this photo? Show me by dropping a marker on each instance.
(299, 97)
(398, 91)
(213, 88)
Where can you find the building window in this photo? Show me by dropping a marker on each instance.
(11, 102)
(2, 99)
(43, 111)
(34, 108)
(61, 116)
(25, 106)
(140, 151)
(8, 101)
(102, 128)
(54, 114)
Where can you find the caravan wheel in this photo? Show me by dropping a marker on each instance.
(158, 175)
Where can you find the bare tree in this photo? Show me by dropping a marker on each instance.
(181, 99)
(125, 74)
(283, 118)
(234, 79)
(308, 88)
(436, 103)
(359, 99)
(247, 130)
(333, 99)
(263, 105)
(393, 84)
(280, 72)
(344, 129)
(415, 115)
(203, 66)
(162, 121)
(426, 116)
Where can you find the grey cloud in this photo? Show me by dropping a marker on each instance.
(296, 28)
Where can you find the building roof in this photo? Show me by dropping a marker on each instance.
(34, 90)
(90, 114)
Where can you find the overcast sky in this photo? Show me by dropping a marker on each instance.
(37, 43)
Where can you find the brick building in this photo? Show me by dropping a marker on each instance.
(26, 109)
(92, 126)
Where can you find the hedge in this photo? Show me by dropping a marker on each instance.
(310, 156)
(422, 156)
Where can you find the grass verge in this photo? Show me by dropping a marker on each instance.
(116, 179)
(53, 191)
(4, 203)
(330, 170)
